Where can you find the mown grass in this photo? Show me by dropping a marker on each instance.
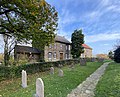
(109, 85)
(55, 86)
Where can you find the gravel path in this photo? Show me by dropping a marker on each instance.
(86, 88)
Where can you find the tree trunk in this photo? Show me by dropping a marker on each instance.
(42, 56)
(6, 54)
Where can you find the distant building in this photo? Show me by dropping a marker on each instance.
(105, 56)
(87, 51)
(26, 52)
(59, 50)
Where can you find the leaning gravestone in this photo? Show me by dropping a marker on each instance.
(52, 70)
(83, 62)
(24, 79)
(39, 88)
(60, 73)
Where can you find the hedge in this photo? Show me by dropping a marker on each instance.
(15, 71)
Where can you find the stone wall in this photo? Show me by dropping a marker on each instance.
(57, 51)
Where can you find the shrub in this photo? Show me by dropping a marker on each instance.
(117, 55)
(4, 72)
(15, 71)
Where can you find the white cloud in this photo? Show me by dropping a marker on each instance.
(102, 37)
(106, 44)
(114, 8)
(105, 2)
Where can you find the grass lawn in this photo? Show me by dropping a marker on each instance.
(109, 85)
(55, 86)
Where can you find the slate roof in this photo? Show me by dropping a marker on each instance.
(26, 49)
(86, 46)
(61, 39)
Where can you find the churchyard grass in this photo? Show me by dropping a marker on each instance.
(55, 86)
(109, 85)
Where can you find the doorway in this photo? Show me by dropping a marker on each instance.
(61, 56)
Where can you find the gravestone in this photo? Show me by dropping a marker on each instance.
(60, 65)
(24, 79)
(83, 62)
(39, 88)
(93, 59)
(100, 60)
(52, 70)
(71, 66)
(60, 73)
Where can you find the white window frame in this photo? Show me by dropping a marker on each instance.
(61, 46)
(55, 46)
(50, 46)
(55, 55)
(49, 55)
(66, 56)
(68, 47)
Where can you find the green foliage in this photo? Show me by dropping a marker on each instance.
(24, 20)
(109, 85)
(117, 55)
(110, 55)
(77, 39)
(15, 71)
(55, 86)
(4, 72)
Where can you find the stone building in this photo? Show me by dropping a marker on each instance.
(87, 51)
(59, 50)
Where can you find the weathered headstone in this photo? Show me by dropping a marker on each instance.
(52, 70)
(39, 88)
(60, 65)
(83, 62)
(60, 73)
(100, 60)
(71, 66)
(93, 59)
(24, 79)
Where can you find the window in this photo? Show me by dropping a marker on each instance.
(49, 55)
(66, 47)
(61, 46)
(50, 46)
(54, 55)
(55, 46)
(66, 56)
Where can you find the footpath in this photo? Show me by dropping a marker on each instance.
(86, 88)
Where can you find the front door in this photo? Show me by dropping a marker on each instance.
(61, 56)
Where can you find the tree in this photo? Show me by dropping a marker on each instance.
(24, 20)
(77, 41)
(110, 55)
(117, 55)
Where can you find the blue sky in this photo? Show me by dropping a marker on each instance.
(99, 20)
